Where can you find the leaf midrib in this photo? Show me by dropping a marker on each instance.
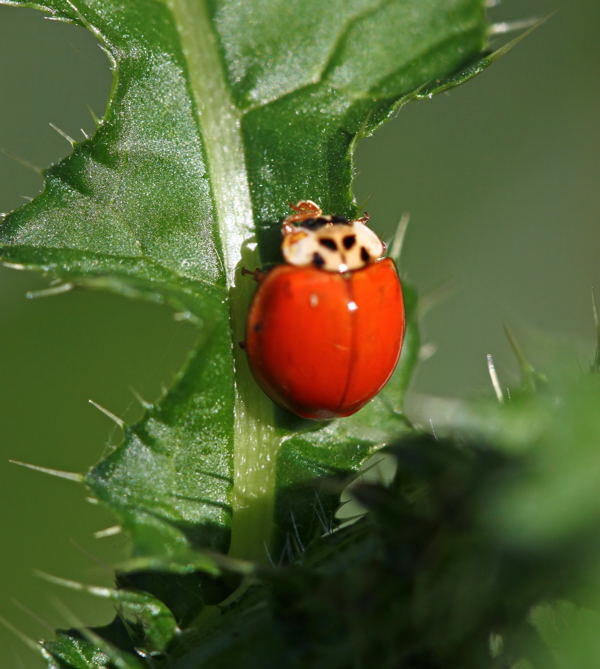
(219, 123)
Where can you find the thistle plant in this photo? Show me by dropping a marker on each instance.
(220, 114)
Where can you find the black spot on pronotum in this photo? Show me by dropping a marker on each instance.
(364, 254)
(318, 260)
(349, 241)
(314, 223)
(328, 243)
(340, 219)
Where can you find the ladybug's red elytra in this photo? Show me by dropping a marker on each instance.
(325, 328)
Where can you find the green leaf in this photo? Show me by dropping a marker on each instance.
(221, 112)
(151, 625)
(75, 652)
(428, 578)
(571, 633)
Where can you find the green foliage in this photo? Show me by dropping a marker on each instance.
(463, 561)
(215, 122)
(221, 113)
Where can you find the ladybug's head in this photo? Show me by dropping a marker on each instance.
(331, 243)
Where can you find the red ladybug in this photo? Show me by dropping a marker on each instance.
(325, 329)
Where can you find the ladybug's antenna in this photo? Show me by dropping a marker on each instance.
(304, 209)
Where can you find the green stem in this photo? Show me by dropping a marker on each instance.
(255, 441)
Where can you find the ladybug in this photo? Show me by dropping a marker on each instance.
(325, 328)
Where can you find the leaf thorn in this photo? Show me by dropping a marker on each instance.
(58, 19)
(398, 239)
(268, 554)
(322, 517)
(505, 27)
(427, 351)
(33, 615)
(96, 590)
(115, 419)
(63, 134)
(181, 316)
(49, 292)
(28, 641)
(58, 473)
(531, 378)
(511, 44)
(108, 532)
(22, 161)
(143, 403)
(494, 378)
(95, 118)
(299, 545)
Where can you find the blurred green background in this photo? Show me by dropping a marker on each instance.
(499, 177)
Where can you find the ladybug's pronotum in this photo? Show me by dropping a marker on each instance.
(325, 328)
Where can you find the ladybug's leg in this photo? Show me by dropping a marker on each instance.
(365, 218)
(242, 345)
(307, 208)
(257, 274)
(304, 209)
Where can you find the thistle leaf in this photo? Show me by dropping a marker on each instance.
(222, 112)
